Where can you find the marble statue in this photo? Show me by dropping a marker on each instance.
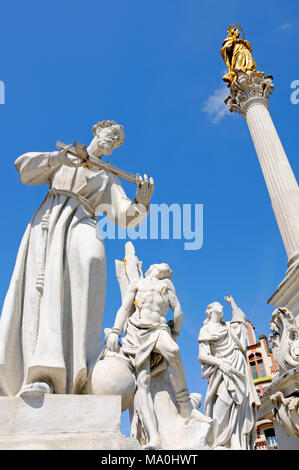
(285, 345)
(161, 401)
(284, 339)
(148, 339)
(51, 320)
(231, 399)
(286, 412)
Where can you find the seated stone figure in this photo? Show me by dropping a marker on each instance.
(148, 339)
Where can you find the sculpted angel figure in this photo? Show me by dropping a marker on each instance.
(236, 53)
(231, 399)
(148, 338)
(50, 328)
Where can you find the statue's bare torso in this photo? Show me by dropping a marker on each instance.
(151, 301)
(147, 332)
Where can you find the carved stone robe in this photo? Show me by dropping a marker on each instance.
(50, 327)
(235, 428)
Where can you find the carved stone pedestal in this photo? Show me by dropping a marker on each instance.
(62, 422)
(280, 402)
(175, 431)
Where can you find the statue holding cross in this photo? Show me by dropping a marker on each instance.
(52, 315)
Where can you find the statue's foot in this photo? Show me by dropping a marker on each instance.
(34, 389)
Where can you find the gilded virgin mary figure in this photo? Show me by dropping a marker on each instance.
(236, 53)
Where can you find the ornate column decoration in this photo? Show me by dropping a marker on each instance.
(284, 339)
(286, 412)
(249, 94)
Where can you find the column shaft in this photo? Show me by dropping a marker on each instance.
(280, 180)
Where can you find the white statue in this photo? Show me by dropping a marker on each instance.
(231, 399)
(148, 339)
(286, 412)
(51, 320)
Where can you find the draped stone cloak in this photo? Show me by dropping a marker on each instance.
(140, 340)
(50, 327)
(236, 427)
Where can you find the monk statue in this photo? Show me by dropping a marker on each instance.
(50, 328)
(236, 53)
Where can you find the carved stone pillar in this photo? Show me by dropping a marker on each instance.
(249, 95)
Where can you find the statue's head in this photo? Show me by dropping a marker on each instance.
(233, 31)
(215, 309)
(108, 135)
(159, 271)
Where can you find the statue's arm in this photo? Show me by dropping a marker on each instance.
(238, 316)
(38, 167)
(238, 322)
(35, 167)
(175, 307)
(124, 310)
(206, 358)
(227, 45)
(121, 317)
(120, 209)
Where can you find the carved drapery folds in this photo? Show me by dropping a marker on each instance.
(285, 339)
(286, 412)
(237, 54)
(285, 345)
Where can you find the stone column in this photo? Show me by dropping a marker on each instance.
(249, 96)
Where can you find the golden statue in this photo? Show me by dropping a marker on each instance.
(236, 54)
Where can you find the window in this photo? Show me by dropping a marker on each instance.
(271, 438)
(254, 371)
(257, 365)
(261, 368)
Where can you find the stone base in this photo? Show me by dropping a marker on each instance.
(176, 433)
(62, 422)
(285, 418)
(77, 441)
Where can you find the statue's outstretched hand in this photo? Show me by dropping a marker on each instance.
(228, 298)
(112, 342)
(65, 158)
(145, 188)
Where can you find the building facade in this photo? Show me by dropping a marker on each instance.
(263, 369)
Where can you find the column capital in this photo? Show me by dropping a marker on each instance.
(248, 89)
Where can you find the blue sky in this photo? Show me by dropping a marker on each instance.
(155, 67)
